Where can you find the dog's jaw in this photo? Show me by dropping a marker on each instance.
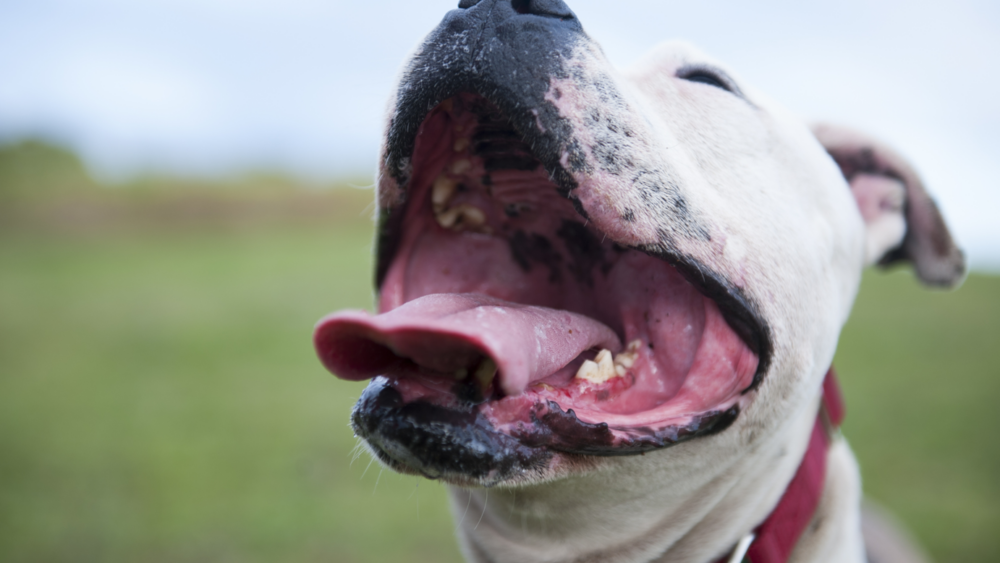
(679, 505)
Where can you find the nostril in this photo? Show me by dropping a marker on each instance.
(545, 8)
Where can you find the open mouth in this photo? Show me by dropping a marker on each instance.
(507, 319)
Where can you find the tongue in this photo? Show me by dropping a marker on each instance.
(447, 333)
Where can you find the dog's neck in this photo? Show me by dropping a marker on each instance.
(630, 515)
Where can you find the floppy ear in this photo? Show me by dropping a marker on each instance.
(902, 221)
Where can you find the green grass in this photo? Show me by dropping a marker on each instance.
(160, 399)
(921, 375)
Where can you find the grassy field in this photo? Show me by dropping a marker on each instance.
(921, 371)
(160, 400)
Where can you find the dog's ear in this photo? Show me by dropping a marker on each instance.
(902, 221)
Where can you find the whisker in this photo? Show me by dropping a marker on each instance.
(467, 504)
(367, 467)
(485, 504)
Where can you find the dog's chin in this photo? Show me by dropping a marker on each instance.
(516, 337)
(456, 445)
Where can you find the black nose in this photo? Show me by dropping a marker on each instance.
(506, 51)
(548, 8)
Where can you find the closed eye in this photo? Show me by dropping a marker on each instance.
(710, 76)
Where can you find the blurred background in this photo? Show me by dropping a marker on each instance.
(185, 190)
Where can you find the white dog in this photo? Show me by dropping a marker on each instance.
(609, 299)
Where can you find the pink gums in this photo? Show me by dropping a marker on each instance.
(450, 297)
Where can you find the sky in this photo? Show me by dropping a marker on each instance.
(209, 87)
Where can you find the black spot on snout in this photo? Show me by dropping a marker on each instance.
(586, 252)
(527, 249)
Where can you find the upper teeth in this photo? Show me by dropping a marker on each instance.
(441, 192)
(602, 368)
(463, 216)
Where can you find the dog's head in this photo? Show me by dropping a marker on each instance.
(575, 262)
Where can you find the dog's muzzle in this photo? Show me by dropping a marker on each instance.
(513, 327)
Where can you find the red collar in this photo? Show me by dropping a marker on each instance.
(774, 540)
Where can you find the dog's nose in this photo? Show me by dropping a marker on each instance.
(549, 8)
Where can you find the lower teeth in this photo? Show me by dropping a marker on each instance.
(602, 368)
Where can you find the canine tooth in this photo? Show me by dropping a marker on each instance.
(603, 357)
(588, 371)
(461, 166)
(461, 144)
(461, 373)
(605, 364)
(448, 218)
(441, 192)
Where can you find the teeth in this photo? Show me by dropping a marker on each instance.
(447, 219)
(461, 144)
(600, 370)
(604, 360)
(588, 371)
(461, 166)
(485, 373)
(627, 358)
(441, 192)
(472, 216)
(463, 217)
(459, 217)
(603, 368)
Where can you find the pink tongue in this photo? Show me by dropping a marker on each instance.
(448, 332)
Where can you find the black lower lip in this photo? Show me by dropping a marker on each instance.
(440, 442)
(461, 445)
(562, 431)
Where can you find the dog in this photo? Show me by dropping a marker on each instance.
(609, 300)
